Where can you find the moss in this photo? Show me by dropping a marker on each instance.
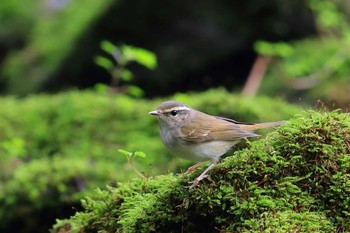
(56, 149)
(294, 180)
(290, 221)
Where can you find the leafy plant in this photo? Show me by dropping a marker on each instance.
(316, 67)
(130, 156)
(117, 67)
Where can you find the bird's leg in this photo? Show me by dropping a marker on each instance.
(192, 168)
(204, 174)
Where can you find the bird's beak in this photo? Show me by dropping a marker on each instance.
(155, 113)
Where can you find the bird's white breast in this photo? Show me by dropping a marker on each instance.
(195, 151)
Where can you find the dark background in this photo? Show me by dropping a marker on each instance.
(199, 44)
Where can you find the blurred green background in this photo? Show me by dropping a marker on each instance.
(77, 79)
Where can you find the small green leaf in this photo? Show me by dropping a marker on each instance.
(124, 152)
(104, 62)
(140, 154)
(142, 56)
(135, 91)
(275, 49)
(108, 47)
(101, 88)
(126, 75)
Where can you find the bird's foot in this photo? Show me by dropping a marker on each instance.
(195, 182)
(192, 168)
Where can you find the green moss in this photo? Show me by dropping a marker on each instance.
(294, 180)
(56, 149)
(289, 221)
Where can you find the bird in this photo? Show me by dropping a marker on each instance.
(197, 136)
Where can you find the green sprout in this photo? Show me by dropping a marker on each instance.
(130, 156)
(117, 67)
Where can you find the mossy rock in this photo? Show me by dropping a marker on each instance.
(297, 179)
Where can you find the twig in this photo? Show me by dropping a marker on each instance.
(256, 74)
(131, 163)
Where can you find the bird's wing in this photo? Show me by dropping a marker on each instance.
(253, 126)
(204, 130)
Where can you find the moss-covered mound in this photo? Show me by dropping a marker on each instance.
(297, 179)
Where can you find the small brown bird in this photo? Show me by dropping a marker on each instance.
(197, 136)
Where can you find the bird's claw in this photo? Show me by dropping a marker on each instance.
(195, 182)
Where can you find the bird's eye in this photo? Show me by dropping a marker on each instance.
(174, 112)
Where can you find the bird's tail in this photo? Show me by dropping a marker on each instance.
(252, 127)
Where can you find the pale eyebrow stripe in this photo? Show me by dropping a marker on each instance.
(177, 109)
